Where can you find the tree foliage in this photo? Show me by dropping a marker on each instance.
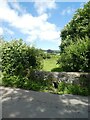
(78, 27)
(75, 44)
(18, 58)
(76, 56)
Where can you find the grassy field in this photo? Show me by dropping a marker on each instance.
(49, 64)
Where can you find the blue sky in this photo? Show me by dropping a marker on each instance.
(37, 23)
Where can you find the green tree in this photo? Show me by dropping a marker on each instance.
(75, 44)
(76, 56)
(78, 27)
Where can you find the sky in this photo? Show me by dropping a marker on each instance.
(38, 23)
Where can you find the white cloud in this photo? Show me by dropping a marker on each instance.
(68, 10)
(1, 31)
(8, 14)
(43, 6)
(36, 28)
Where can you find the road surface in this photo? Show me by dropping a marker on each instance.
(18, 103)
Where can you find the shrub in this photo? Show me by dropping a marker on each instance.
(18, 58)
(13, 81)
(32, 85)
(61, 86)
(77, 90)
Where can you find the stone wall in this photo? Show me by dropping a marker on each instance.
(68, 77)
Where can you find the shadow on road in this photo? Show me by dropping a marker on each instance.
(17, 103)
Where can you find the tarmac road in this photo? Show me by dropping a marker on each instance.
(18, 103)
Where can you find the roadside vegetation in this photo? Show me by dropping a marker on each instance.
(19, 60)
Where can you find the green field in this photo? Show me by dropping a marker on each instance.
(49, 64)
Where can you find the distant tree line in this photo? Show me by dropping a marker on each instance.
(51, 51)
